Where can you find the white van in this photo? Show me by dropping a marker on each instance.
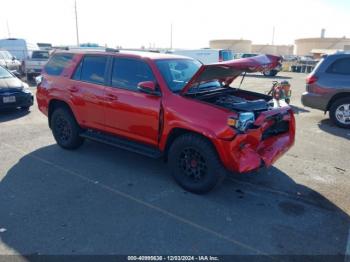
(19, 48)
(206, 56)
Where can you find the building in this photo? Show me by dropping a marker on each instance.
(305, 46)
(237, 46)
(273, 49)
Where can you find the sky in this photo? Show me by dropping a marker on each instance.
(136, 23)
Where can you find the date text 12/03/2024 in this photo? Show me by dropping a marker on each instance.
(173, 258)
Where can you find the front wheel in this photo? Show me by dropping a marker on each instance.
(194, 164)
(65, 129)
(339, 112)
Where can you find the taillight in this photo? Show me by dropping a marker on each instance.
(311, 79)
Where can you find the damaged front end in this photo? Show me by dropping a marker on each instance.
(263, 128)
(261, 142)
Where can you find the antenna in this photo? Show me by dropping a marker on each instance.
(76, 21)
(273, 35)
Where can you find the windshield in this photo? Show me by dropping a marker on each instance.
(40, 55)
(178, 72)
(4, 73)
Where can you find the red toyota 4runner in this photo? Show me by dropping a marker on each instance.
(167, 106)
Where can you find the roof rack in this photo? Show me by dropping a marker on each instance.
(91, 49)
(108, 49)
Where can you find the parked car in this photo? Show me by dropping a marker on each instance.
(271, 72)
(8, 61)
(32, 67)
(20, 48)
(165, 105)
(205, 55)
(13, 92)
(328, 88)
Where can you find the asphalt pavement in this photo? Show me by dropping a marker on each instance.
(103, 200)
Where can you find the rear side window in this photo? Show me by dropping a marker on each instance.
(92, 69)
(341, 67)
(57, 63)
(127, 73)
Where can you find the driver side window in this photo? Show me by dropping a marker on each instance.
(127, 73)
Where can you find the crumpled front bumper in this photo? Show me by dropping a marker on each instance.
(255, 149)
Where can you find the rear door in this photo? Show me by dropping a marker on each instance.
(87, 89)
(129, 112)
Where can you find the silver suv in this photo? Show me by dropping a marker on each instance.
(328, 88)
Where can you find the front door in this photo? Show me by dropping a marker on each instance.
(129, 112)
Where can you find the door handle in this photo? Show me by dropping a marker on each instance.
(73, 89)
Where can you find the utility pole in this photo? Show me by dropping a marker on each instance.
(171, 36)
(76, 21)
(8, 28)
(273, 35)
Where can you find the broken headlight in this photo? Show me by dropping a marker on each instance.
(244, 120)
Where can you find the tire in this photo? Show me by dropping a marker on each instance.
(65, 129)
(194, 164)
(335, 112)
(270, 73)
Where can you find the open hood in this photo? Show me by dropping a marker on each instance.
(229, 70)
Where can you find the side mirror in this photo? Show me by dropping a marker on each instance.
(14, 58)
(148, 87)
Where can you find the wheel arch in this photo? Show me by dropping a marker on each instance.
(336, 97)
(179, 131)
(56, 103)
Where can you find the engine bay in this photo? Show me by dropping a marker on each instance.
(239, 100)
(240, 104)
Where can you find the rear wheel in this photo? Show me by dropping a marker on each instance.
(270, 72)
(339, 112)
(65, 129)
(194, 164)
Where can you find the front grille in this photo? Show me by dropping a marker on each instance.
(21, 99)
(279, 127)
